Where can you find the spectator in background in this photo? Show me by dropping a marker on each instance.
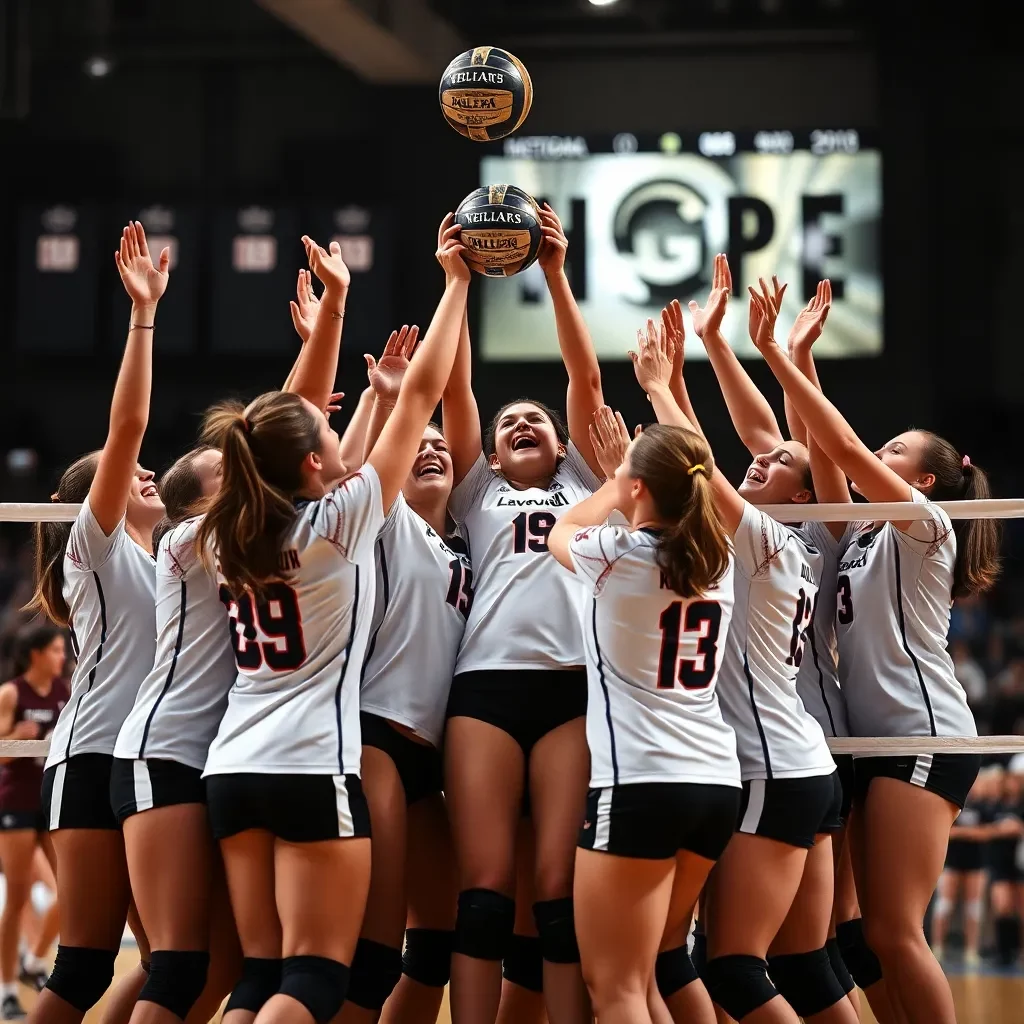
(969, 620)
(971, 676)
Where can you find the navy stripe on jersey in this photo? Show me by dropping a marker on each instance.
(99, 654)
(757, 716)
(607, 698)
(344, 669)
(386, 584)
(906, 644)
(170, 671)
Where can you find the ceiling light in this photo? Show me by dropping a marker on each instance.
(603, 3)
(98, 66)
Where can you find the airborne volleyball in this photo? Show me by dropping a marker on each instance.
(485, 93)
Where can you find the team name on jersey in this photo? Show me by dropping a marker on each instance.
(855, 563)
(288, 560)
(806, 574)
(663, 582)
(450, 552)
(40, 715)
(555, 501)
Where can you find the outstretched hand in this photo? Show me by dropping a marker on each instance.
(450, 251)
(386, 376)
(764, 311)
(652, 363)
(305, 306)
(143, 281)
(810, 321)
(709, 318)
(328, 266)
(675, 331)
(610, 438)
(554, 245)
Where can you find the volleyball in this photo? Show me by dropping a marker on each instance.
(485, 93)
(500, 229)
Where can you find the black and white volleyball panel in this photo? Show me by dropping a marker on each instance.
(485, 93)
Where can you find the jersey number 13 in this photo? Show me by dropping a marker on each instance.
(703, 618)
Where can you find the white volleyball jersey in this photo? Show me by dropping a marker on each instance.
(110, 587)
(526, 607)
(652, 661)
(180, 704)
(775, 585)
(294, 708)
(892, 619)
(817, 682)
(424, 593)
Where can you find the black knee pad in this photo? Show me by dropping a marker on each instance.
(673, 970)
(839, 968)
(427, 957)
(176, 978)
(557, 931)
(376, 969)
(739, 984)
(857, 954)
(806, 981)
(699, 956)
(81, 975)
(318, 983)
(261, 978)
(484, 925)
(524, 963)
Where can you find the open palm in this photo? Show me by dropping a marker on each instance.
(143, 281)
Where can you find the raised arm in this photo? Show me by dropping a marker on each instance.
(317, 365)
(591, 511)
(750, 412)
(395, 451)
(672, 325)
(385, 379)
(304, 308)
(460, 416)
(129, 408)
(825, 423)
(350, 448)
(653, 366)
(584, 396)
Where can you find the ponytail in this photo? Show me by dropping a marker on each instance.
(978, 541)
(51, 542)
(263, 448)
(181, 491)
(676, 466)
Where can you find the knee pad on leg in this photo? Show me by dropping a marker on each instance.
(857, 954)
(673, 970)
(376, 969)
(318, 983)
(81, 975)
(427, 957)
(839, 968)
(739, 984)
(557, 931)
(484, 924)
(176, 979)
(524, 963)
(806, 981)
(943, 906)
(261, 978)
(973, 909)
(699, 956)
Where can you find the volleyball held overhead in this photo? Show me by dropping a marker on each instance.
(500, 229)
(485, 93)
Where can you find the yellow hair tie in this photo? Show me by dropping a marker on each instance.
(694, 469)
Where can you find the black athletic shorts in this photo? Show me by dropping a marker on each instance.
(144, 785)
(948, 775)
(76, 793)
(1001, 860)
(22, 821)
(965, 855)
(655, 820)
(418, 764)
(295, 808)
(844, 765)
(525, 703)
(791, 811)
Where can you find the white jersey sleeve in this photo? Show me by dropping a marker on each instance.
(526, 607)
(652, 663)
(424, 593)
(109, 586)
(181, 702)
(294, 707)
(894, 598)
(776, 582)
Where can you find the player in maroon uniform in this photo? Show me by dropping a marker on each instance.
(29, 706)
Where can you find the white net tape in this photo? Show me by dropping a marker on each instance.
(893, 511)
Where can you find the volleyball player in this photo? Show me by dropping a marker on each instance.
(424, 591)
(518, 700)
(1004, 874)
(665, 779)
(96, 576)
(29, 706)
(896, 584)
(791, 792)
(294, 544)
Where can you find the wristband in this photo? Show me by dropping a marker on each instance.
(140, 327)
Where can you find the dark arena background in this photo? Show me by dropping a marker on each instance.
(881, 145)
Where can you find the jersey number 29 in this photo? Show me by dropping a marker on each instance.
(703, 618)
(277, 615)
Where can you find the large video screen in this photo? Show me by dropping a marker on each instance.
(646, 215)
